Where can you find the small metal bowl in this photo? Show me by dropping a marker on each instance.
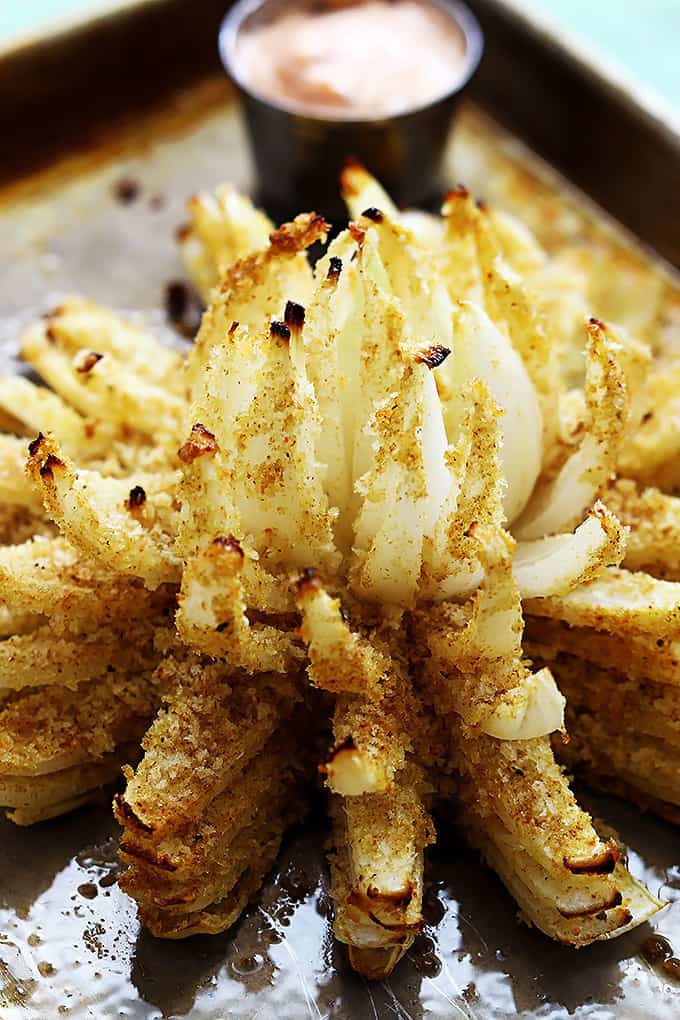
(298, 155)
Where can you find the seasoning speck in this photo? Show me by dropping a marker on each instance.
(126, 190)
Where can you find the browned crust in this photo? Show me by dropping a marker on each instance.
(357, 233)
(35, 444)
(200, 442)
(433, 356)
(334, 269)
(43, 459)
(399, 898)
(457, 193)
(127, 850)
(348, 744)
(88, 361)
(279, 330)
(373, 214)
(294, 316)
(229, 544)
(602, 865)
(304, 231)
(51, 464)
(614, 900)
(137, 498)
(308, 582)
(127, 816)
(367, 906)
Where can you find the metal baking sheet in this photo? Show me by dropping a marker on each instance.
(619, 144)
(70, 944)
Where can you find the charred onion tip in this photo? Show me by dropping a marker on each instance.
(233, 328)
(348, 744)
(295, 237)
(279, 330)
(201, 430)
(599, 909)
(603, 865)
(373, 214)
(137, 497)
(482, 205)
(357, 234)
(433, 356)
(229, 544)
(307, 581)
(200, 442)
(146, 855)
(596, 323)
(35, 444)
(88, 361)
(460, 191)
(334, 268)
(362, 901)
(294, 316)
(129, 814)
(52, 462)
(400, 897)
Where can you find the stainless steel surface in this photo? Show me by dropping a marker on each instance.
(73, 947)
(600, 132)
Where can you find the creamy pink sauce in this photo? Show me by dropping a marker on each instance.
(369, 59)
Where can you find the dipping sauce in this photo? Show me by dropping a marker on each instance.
(354, 60)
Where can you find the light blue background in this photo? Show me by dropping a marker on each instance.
(641, 35)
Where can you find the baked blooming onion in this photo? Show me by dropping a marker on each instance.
(353, 494)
